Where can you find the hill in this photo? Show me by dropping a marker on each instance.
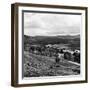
(50, 39)
(72, 41)
(37, 66)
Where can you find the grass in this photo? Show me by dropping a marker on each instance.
(37, 66)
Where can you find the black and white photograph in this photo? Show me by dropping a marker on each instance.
(51, 44)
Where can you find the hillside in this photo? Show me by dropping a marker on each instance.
(36, 66)
(72, 41)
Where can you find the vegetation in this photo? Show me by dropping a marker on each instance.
(36, 66)
(72, 42)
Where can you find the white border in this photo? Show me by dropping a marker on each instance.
(50, 79)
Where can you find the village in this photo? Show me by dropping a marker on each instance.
(60, 53)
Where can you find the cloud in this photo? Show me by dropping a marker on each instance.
(51, 24)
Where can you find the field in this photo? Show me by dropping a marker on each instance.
(37, 66)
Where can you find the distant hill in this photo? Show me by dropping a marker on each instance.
(69, 36)
(52, 39)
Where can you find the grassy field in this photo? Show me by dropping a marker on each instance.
(37, 66)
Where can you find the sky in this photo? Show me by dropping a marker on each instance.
(44, 24)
